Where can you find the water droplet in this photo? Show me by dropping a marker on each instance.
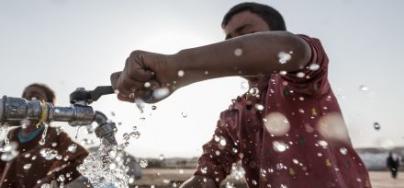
(277, 124)
(147, 84)
(279, 146)
(204, 170)
(283, 73)
(314, 67)
(113, 113)
(54, 144)
(154, 107)
(376, 126)
(131, 181)
(223, 142)
(284, 57)
(300, 74)
(112, 166)
(161, 93)
(343, 151)
(143, 163)
(161, 157)
(27, 166)
(9, 151)
(254, 182)
(332, 126)
(238, 52)
(61, 178)
(323, 143)
(363, 88)
(244, 85)
(254, 91)
(72, 148)
(184, 115)
(259, 107)
(48, 154)
(181, 73)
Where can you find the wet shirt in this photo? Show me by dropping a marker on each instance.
(288, 132)
(37, 164)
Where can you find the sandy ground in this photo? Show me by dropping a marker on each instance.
(164, 178)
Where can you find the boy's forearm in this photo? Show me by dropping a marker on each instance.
(248, 55)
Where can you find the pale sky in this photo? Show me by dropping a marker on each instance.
(72, 43)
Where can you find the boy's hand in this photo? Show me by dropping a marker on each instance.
(143, 75)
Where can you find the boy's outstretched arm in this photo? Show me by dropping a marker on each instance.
(249, 55)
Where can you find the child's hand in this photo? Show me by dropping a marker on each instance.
(145, 74)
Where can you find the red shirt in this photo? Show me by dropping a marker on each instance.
(290, 136)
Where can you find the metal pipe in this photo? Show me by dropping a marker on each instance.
(18, 109)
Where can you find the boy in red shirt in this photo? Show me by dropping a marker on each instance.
(288, 130)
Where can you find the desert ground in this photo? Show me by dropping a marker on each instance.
(164, 178)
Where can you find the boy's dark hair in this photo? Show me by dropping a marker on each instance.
(271, 16)
(50, 94)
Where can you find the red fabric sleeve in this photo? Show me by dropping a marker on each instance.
(312, 79)
(221, 151)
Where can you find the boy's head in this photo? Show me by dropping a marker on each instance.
(246, 18)
(39, 92)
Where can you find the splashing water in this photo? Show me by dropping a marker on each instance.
(106, 167)
(9, 151)
(3, 132)
(237, 172)
(284, 57)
